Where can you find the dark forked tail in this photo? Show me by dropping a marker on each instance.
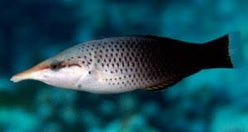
(216, 53)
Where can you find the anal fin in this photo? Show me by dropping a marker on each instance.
(163, 85)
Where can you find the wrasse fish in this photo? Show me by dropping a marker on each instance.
(121, 64)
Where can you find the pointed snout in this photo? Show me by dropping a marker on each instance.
(30, 73)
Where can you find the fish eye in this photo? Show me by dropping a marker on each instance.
(56, 65)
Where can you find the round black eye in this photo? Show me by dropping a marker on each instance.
(56, 65)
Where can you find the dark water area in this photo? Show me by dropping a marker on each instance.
(210, 101)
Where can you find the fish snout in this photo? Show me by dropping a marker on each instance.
(31, 73)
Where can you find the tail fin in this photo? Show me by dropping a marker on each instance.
(217, 52)
(235, 49)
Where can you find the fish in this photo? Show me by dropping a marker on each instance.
(123, 64)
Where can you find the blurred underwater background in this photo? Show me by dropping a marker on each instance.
(32, 30)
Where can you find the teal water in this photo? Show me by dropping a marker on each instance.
(209, 101)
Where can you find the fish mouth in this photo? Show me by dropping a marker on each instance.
(28, 74)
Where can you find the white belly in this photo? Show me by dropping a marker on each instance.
(97, 83)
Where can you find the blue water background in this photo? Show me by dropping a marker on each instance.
(32, 30)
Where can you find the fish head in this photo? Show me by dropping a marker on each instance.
(56, 71)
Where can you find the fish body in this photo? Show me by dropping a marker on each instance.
(121, 64)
